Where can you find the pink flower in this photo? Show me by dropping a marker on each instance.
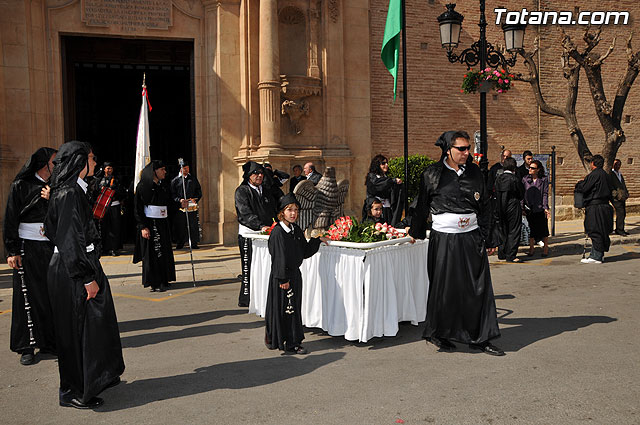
(500, 80)
(506, 81)
(389, 236)
(378, 226)
(499, 90)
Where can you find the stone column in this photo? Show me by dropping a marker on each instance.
(269, 85)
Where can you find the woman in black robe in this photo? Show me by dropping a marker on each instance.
(152, 203)
(509, 194)
(87, 335)
(386, 189)
(28, 253)
(461, 305)
(288, 248)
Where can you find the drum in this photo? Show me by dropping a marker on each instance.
(103, 202)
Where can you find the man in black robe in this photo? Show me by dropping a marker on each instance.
(509, 194)
(111, 223)
(495, 170)
(461, 305)
(87, 335)
(274, 180)
(256, 211)
(193, 195)
(28, 253)
(152, 204)
(598, 216)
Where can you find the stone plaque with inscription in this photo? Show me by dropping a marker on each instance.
(128, 15)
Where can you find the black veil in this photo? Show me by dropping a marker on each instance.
(145, 186)
(72, 158)
(39, 159)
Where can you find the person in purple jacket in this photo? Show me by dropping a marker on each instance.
(536, 206)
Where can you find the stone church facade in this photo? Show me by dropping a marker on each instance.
(283, 81)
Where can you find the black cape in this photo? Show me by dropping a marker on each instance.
(193, 190)
(254, 211)
(25, 205)
(598, 216)
(87, 335)
(156, 253)
(461, 304)
(111, 223)
(509, 192)
(287, 250)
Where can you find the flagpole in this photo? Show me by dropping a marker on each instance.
(405, 108)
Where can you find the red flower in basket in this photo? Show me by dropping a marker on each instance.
(268, 232)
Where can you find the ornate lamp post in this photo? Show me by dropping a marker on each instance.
(481, 52)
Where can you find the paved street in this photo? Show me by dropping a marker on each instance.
(570, 331)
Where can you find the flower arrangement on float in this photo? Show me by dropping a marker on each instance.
(500, 80)
(347, 229)
(270, 229)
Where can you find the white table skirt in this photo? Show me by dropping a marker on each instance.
(360, 294)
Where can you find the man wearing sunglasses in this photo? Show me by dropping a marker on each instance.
(461, 305)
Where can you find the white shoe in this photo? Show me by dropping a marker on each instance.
(541, 244)
(590, 261)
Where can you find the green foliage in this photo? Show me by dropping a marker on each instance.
(501, 79)
(417, 165)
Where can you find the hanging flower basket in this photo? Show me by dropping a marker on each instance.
(484, 81)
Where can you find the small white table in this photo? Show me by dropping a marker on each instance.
(355, 293)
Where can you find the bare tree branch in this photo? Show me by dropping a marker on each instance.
(601, 59)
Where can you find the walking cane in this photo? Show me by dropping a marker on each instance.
(186, 214)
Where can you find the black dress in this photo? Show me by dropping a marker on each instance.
(193, 190)
(87, 335)
(288, 250)
(461, 304)
(156, 253)
(31, 316)
(598, 216)
(509, 194)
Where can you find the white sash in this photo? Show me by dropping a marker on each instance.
(454, 223)
(244, 230)
(155, 211)
(89, 248)
(32, 231)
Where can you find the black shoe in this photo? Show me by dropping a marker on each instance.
(239, 276)
(488, 348)
(114, 253)
(66, 401)
(441, 343)
(243, 304)
(180, 246)
(162, 289)
(154, 289)
(298, 349)
(113, 383)
(194, 246)
(27, 358)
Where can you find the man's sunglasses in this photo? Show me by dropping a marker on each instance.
(462, 148)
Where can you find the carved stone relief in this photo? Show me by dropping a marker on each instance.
(295, 110)
(334, 10)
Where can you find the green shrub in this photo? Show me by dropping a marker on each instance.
(417, 165)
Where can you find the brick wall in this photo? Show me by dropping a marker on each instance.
(436, 103)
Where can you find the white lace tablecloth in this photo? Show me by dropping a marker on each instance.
(360, 294)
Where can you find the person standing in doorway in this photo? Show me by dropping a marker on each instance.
(193, 196)
(620, 194)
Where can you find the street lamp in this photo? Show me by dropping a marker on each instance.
(481, 52)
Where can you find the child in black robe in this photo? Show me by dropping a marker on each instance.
(288, 248)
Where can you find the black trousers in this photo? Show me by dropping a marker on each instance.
(245, 263)
(621, 213)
